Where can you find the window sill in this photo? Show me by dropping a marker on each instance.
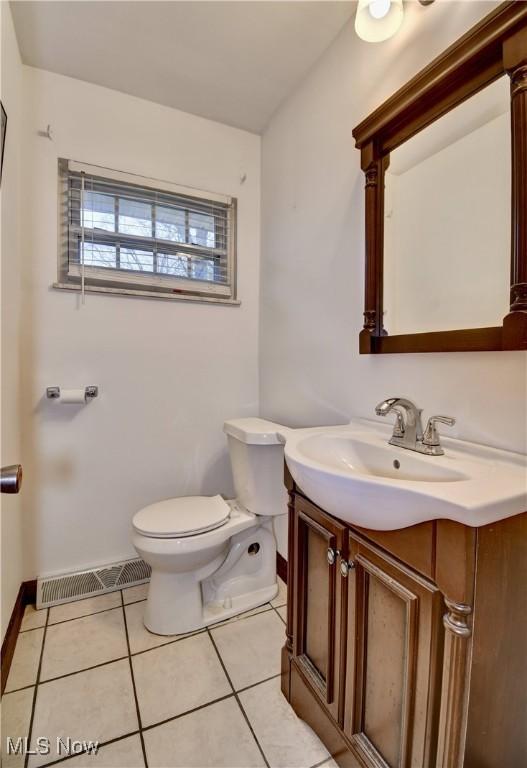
(147, 294)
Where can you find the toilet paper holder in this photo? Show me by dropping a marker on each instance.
(89, 392)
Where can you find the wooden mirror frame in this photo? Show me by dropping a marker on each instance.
(494, 47)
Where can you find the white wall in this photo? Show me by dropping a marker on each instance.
(10, 195)
(169, 372)
(312, 277)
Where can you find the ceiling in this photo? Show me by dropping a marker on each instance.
(228, 61)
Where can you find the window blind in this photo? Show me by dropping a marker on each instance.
(124, 230)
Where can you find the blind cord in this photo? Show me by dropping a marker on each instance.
(83, 294)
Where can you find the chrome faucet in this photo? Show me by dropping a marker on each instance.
(408, 429)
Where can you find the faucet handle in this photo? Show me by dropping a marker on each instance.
(431, 435)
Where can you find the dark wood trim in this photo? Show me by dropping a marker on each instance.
(515, 61)
(26, 596)
(463, 340)
(30, 591)
(287, 650)
(471, 580)
(290, 485)
(11, 635)
(374, 167)
(306, 522)
(308, 706)
(501, 561)
(330, 630)
(467, 66)
(494, 47)
(281, 567)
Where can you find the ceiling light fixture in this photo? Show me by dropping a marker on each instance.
(377, 20)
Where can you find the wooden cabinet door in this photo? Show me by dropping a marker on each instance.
(394, 651)
(319, 589)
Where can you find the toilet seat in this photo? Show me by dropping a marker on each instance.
(181, 517)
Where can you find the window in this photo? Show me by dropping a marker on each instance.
(123, 233)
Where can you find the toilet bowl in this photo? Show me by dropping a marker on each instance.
(212, 558)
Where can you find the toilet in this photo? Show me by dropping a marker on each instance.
(212, 558)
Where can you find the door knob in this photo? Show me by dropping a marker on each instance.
(11, 478)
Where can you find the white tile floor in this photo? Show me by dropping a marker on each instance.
(91, 671)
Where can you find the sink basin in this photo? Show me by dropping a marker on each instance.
(362, 457)
(353, 473)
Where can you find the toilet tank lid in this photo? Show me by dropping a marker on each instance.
(255, 431)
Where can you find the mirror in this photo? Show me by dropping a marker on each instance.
(447, 220)
(445, 193)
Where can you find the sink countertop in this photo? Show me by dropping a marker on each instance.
(352, 472)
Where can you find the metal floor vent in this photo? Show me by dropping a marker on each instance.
(54, 590)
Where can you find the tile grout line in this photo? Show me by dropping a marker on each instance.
(278, 613)
(206, 704)
(244, 713)
(100, 745)
(135, 653)
(23, 688)
(148, 727)
(324, 761)
(260, 682)
(30, 629)
(143, 600)
(178, 717)
(153, 725)
(139, 732)
(239, 617)
(35, 693)
(133, 683)
(186, 636)
(129, 656)
(83, 615)
(188, 712)
(178, 639)
(76, 672)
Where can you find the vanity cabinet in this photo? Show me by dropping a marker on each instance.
(319, 621)
(407, 648)
(393, 647)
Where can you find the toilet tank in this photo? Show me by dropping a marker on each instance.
(257, 460)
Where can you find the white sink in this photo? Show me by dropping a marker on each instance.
(353, 473)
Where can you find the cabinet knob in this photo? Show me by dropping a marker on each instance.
(331, 556)
(345, 567)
